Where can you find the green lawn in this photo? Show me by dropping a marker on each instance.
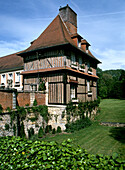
(97, 138)
(112, 110)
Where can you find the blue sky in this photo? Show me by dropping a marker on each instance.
(100, 22)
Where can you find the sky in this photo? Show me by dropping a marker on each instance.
(100, 22)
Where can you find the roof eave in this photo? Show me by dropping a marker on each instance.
(12, 69)
(42, 48)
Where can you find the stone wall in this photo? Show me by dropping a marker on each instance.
(5, 119)
(56, 116)
(55, 121)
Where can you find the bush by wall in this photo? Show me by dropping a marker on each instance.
(17, 153)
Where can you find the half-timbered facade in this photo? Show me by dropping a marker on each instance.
(61, 57)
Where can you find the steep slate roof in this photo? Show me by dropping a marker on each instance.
(11, 62)
(55, 34)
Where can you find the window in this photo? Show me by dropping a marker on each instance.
(10, 76)
(3, 79)
(17, 77)
(88, 85)
(73, 58)
(72, 91)
(80, 60)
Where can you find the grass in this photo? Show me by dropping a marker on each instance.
(112, 110)
(100, 139)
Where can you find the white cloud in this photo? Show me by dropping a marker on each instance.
(7, 48)
(110, 58)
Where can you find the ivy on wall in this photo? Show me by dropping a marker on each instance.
(20, 114)
(77, 115)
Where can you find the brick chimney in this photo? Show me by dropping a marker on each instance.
(69, 17)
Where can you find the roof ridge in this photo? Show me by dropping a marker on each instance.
(64, 24)
(61, 21)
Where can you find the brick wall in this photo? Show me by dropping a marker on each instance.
(23, 98)
(6, 98)
(40, 97)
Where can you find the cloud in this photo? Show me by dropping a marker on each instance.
(7, 48)
(103, 14)
(22, 29)
(110, 58)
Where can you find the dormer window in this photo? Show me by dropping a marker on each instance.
(87, 48)
(79, 43)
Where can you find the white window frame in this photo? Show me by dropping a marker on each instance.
(88, 85)
(10, 77)
(17, 77)
(72, 91)
(3, 79)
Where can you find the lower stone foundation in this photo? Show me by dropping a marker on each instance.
(55, 120)
(56, 117)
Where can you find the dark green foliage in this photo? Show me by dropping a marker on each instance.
(14, 129)
(35, 103)
(53, 131)
(7, 126)
(33, 119)
(1, 119)
(59, 129)
(30, 132)
(20, 114)
(17, 153)
(22, 132)
(42, 86)
(41, 132)
(78, 124)
(47, 129)
(21, 111)
(50, 127)
(43, 111)
(8, 109)
(73, 111)
(1, 109)
(111, 83)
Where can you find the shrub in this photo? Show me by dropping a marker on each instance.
(7, 126)
(50, 127)
(59, 129)
(40, 133)
(53, 131)
(22, 132)
(30, 132)
(35, 103)
(78, 124)
(14, 129)
(47, 129)
(1, 108)
(17, 153)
